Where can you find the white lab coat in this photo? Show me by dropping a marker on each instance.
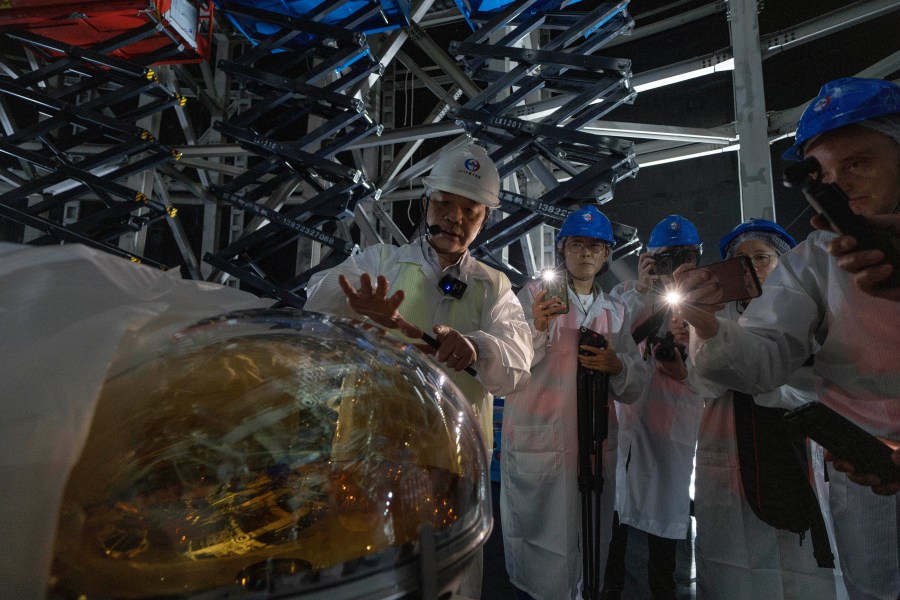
(659, 431)
(858, 374)
(540, 504)
(739, 556)
(63, 312)
(488, 313)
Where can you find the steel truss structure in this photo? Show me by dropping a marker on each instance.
(284, 147)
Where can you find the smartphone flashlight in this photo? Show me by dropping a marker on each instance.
(673, 297)
(555, 286)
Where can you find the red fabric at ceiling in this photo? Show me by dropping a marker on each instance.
(89, 22)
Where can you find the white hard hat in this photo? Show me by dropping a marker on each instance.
(467, 170)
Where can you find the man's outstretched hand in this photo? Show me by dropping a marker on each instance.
(374, 303)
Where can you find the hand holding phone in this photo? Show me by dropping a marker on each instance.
(869, 269)
(845, 440)
(831, 202)
(736, 278)
(556, 285)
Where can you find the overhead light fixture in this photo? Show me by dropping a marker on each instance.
(783, 136)
(684, 155)
(660, 132)
(725, 65)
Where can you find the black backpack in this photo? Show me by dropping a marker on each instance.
(775, 474)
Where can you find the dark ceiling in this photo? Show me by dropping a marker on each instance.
(706, 189)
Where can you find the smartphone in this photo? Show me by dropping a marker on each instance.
(844, 439)
(737, 278)
(557, 286)
(831, 202)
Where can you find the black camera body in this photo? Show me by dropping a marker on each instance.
(665, 263)
(452, 286)
(667, 347)
(589, 337)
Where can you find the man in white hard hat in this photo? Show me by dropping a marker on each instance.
(439, 287)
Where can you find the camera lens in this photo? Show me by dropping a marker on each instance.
(665, 352)
(664, 265)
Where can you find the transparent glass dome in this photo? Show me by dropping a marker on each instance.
(271, 451)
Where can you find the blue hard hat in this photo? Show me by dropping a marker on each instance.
(587, 222)
(674, 230)
(767, 228)
(844, 102)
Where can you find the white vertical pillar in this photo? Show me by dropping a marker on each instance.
(754, 159)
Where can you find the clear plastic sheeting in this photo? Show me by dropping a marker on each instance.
(270, 451)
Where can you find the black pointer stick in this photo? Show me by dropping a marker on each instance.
(434, 344)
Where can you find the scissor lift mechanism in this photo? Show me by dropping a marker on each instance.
(303, 120)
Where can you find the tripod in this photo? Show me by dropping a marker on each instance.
(593, 427)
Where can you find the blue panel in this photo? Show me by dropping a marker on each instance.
(495, 454)
(392, 15)
(485, 9)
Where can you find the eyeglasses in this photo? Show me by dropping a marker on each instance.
(593, 247)
(760, 260)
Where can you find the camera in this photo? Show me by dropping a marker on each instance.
(665, 263)
(667, 348)
(589, 337)
(452, 286)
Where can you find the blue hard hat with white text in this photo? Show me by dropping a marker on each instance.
(843, 102)
(587, 222)
(674, 230)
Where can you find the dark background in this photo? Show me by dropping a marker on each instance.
(706, 189)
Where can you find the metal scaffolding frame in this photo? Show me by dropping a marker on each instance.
(281, 139)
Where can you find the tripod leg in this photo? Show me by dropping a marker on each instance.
(584, 476)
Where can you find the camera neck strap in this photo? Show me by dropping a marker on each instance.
(652, 325)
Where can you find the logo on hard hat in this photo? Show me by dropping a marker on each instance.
(822, 103)
(674, 226)
(588, 217)
(471, 164)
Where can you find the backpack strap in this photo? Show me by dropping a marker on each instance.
(817, 530)
(775, 474)
(819, 533)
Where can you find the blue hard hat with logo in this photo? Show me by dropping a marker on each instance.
(674, 230)
(587, 222)
(761, 226)
(843, 102)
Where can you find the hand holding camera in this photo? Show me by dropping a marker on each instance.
(595, 354)
(666, 349)
(646, 277)
(665, 262)
(670, 356)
